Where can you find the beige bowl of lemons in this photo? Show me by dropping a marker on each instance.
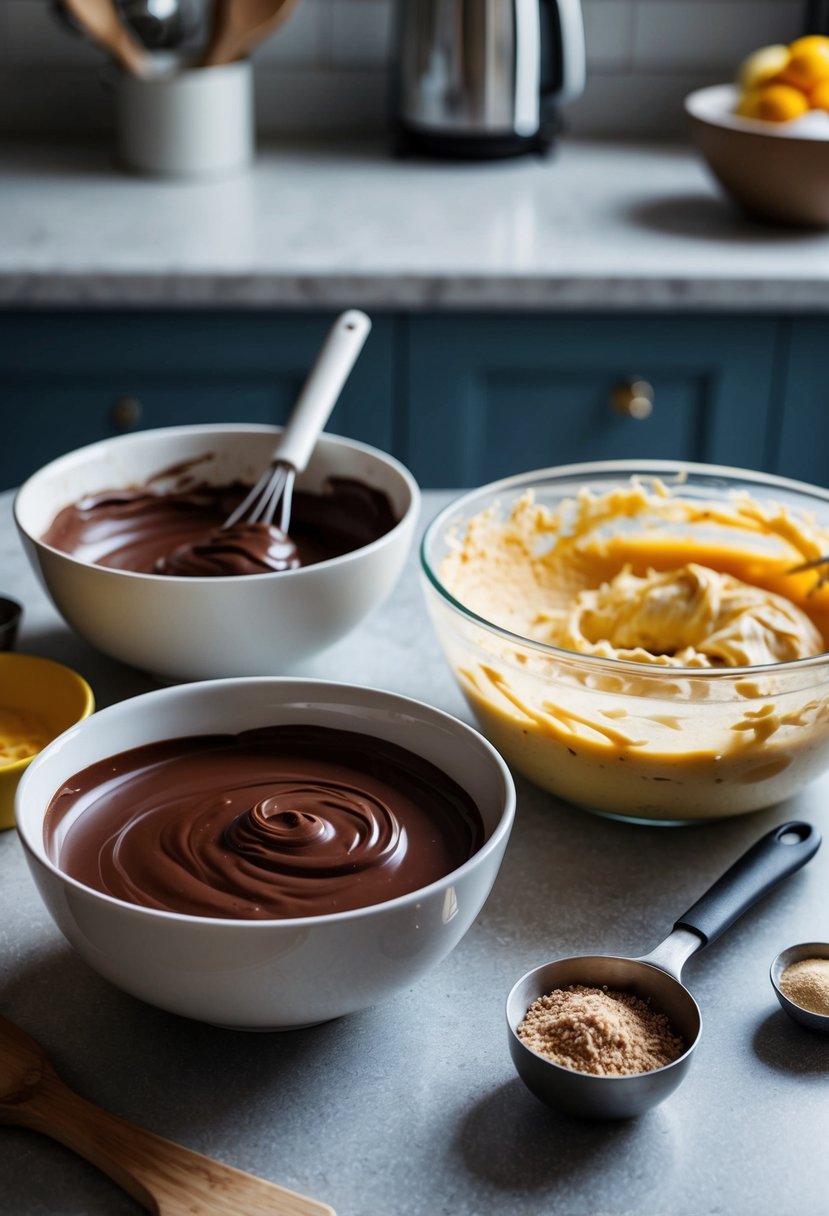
(765, 136)
(39, 700)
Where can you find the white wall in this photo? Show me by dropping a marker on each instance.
(326, 69)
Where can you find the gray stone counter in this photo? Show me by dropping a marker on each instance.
(412, 1108)
(600, 226)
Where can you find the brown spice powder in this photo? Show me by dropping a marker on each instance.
(806, 983)
(600, 1031)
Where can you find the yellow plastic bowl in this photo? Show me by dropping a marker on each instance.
(53, 694)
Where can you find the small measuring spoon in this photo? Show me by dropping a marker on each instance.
(654, 978)
(796, 954)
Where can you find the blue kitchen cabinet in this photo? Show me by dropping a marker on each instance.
(70, 379)
(800, 423)
(489, 396)
(461, 399)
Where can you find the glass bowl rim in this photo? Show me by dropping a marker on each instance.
(654, 468)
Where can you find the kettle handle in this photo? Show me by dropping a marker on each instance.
(569, 67)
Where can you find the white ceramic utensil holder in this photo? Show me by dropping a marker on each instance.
(198, 122)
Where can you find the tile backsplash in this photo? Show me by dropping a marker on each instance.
(327, 68)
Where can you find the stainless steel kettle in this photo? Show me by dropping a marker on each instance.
(478, 78)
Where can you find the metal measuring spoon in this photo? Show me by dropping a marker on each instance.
(796, 954)
(655, 978)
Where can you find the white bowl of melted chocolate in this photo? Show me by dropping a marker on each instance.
(633, 636)
(266, 853)
(127, 536)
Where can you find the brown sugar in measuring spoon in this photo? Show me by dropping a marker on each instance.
(655, 979)
(163, 1177)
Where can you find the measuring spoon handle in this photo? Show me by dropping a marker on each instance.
(774, 857)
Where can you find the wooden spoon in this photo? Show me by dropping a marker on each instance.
(164, 1177)
(102, 23)
(240, 25)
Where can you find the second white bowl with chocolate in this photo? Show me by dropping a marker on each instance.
(209, 627)
(219, 859)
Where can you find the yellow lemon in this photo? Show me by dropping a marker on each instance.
(760, 66)
(807, 66)
(773, 103)
(819, 96)
(808, 42)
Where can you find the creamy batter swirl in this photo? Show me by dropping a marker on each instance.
(278, 822)
(689, 617)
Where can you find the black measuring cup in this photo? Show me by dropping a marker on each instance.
(654, 978)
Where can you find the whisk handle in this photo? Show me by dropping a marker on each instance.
(322, 389)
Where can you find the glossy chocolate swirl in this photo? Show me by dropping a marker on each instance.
(240, 549)
(313, 825)
(283, 821)
(179, 532)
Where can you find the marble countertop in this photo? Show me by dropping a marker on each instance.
(413, 1108)
(600, 226)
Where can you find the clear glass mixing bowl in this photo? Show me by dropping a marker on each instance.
(642, 742)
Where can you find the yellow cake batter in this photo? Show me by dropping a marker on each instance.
(22, 734)
(683, 591)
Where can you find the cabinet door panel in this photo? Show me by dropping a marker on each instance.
(44, 421)
(571, 421)
(66, 380)
(802, 449)
(494, 396)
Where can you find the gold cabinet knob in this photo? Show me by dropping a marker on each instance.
(633, 398)
(125, 413)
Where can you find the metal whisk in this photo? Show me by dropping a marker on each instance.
(274, 489)
(814, 564)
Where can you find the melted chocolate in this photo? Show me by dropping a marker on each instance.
(180, 532)
(240, 549)
(278, 822)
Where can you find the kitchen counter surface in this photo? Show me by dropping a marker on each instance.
(412, 1108)
(599, 226)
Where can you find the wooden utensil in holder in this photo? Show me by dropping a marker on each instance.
(241, 25)
(101, 21)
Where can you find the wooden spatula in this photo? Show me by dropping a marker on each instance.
(164, 1177)
(102, 22)
(240, 25)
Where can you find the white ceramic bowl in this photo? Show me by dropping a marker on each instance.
(269, 974)
(205, 628)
